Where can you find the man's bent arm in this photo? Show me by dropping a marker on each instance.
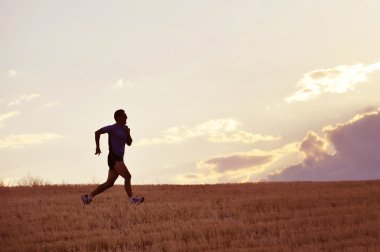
(97, 138)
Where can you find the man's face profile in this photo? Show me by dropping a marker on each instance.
(122, 118)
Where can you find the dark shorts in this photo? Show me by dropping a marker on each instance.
(112, 158)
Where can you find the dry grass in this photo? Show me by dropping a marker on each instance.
(331, 216)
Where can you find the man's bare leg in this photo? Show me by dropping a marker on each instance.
(122, 170)
(112, 176)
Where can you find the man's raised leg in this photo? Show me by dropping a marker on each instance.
(112, 176)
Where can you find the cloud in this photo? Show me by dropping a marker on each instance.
(7, 116)
(314, 148)
(240, 167)
(218, 130)
(12, 73)
(122, 84)
(50, 104)
(23, 98)
(237, 162)
(338, 80)
(18, 141)
(347, 151)
(356, 157)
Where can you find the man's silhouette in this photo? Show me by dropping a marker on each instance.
(118, 135)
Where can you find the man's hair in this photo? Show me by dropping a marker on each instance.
(118, 113)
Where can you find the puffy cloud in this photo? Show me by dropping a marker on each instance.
(218, 130)
(347, 151)
(237, 162)
(121, 83)
(240, 167)
(50, 104)
(339, 79)
(357, 152)
(7, 116)
(313, 147)
(22, 98)
(241, 136)
(358, 140)
(18, 141)
(12, 73)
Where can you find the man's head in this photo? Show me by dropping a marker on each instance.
(120, 117)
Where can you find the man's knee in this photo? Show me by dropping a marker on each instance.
(109, 184)
(128, 177)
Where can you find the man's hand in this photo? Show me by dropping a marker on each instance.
(129, 138)
(97, 152)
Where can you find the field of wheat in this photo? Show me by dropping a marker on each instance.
(297, 216)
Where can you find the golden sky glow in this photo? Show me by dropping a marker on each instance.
(215, 91)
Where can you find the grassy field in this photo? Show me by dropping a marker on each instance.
(298, 216)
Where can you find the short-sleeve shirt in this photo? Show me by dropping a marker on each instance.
(117, 137)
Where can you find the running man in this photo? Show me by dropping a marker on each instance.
(118, 135)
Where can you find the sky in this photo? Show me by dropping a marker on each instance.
(215, 91)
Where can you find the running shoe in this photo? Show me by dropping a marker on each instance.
(86, 199)
(136, 200)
